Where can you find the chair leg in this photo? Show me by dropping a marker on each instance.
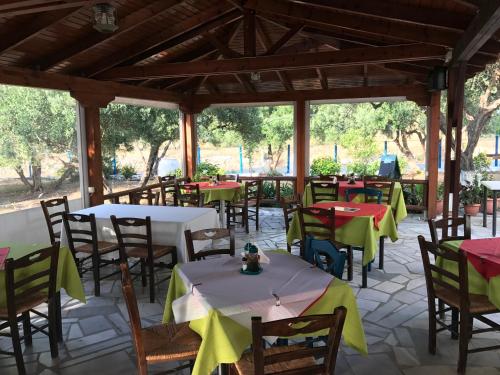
(454, 323)
(58, 316)
(350, 263)
(245, 220)
(53, 328)
(97, 275)
(143, 273)
(16, 343)
(257, 218)
(432, 327)
(381, 253)
(463, 342)
(228, 215)
(27, 328)
(151, 267)
(441, 308)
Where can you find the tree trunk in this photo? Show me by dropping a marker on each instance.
(24, 180)
(153, 156)
(158, 159)
(37, 178)
(474, 131)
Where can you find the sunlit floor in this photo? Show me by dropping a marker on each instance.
(394, 309)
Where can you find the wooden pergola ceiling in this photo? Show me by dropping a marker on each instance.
(205, 51)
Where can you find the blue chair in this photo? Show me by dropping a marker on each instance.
(366, 191)
(326, 256)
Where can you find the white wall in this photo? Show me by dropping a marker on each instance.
(28, 226)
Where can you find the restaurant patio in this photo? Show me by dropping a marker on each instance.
(354, 251)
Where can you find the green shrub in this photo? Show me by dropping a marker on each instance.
(268, 190)
(324, 166)
(178, 173)
(413, 194)
(128, 171)
(207, 169)
(286, 190)
(364, 169)
(481, 165)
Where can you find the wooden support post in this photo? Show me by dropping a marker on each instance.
(89, 105)
(189, 142)
(454, 120)
(301, 142)
(433, 118)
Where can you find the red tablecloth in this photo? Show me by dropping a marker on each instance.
(343, 186)
(484, 255)
(364, 209)
(222, 185)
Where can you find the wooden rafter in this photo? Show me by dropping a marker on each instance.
(17, 8)
(271, 50)
(93, 40)
(355, 56)
(249, 27)
(383, 28)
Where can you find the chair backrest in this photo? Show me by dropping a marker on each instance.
(253, 191)
(289, 207)
(53, 210)
(189, 195)
(228, 177)
(386, 187)
(330, 177)
(376, 178)
(436, 276)
(317, 223)
(326, 256)
(133, 313)
(371, 193)
(133, 232)
(151, 198)
(23, 283)
(167, 190)
(302, 325)
(324, 191)
(183, 180)
(80, 229)
(449, 226)
(211, 234)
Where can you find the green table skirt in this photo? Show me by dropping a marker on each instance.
(67, 273)
(477, 283)
(398, 202)
(224, 340)
(360, 232)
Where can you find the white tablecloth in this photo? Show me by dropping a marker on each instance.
(167, 223)
(218, 284)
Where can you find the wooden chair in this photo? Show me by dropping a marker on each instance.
(159, 343)
(453, 290)
(151, 198)
(368, 194)
(386, 187)
(327, 257)
(26, 290)
(167, 190)
(81, 231)
(322, 230)
(330, 177)
(135, 240)
(451, 226)
(228, 177)
(376, 178)
(212, 235)
(324, 191)
(251, 199)
(189, 195)
(289, 207)
(53, 210)
(293, 359)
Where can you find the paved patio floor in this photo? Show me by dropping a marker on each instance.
(394, 309)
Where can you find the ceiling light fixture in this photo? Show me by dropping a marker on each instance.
(105, 18)
(255, 76)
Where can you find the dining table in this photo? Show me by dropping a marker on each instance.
(359, 225)
(483, 265)
(287, 287)
(222, 191)
(167, 223)
(397, 203)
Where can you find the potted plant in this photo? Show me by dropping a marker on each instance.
(470, 196)
(440, 197)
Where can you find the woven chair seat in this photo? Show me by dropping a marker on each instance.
(172, 342)
(245, 365)
(103, 247)
(479, 304)
(25, 304)
(241, 204)
(158, 251)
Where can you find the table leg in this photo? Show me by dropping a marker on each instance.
(364, 282)
(485, 197)
(494, 229)
(222, 212)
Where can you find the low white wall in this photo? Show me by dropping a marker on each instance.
(28, 226)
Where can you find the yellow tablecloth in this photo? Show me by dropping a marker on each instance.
(398, 202)
(224, 340)
(220, 192)
(67, 273)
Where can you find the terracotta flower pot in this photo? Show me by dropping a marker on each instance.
(472, 209)
(439, 207)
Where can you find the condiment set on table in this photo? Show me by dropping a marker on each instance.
(213, 181)
(250, 259)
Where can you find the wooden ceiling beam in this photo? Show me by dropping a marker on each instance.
(354, 56)
(200, 22)
(94, 39)
(417, 93)
(249, 29)
(385, 28)
(481, 29)
(224, 50)
(283, 40)
(17, 8)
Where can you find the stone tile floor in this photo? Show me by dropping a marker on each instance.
(97, 337)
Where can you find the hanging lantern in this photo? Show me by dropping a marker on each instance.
(105, 18)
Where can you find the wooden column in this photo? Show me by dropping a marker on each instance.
(454, 120)
(301, 142)
(189, 142)
(433, 119)
(89, 105)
